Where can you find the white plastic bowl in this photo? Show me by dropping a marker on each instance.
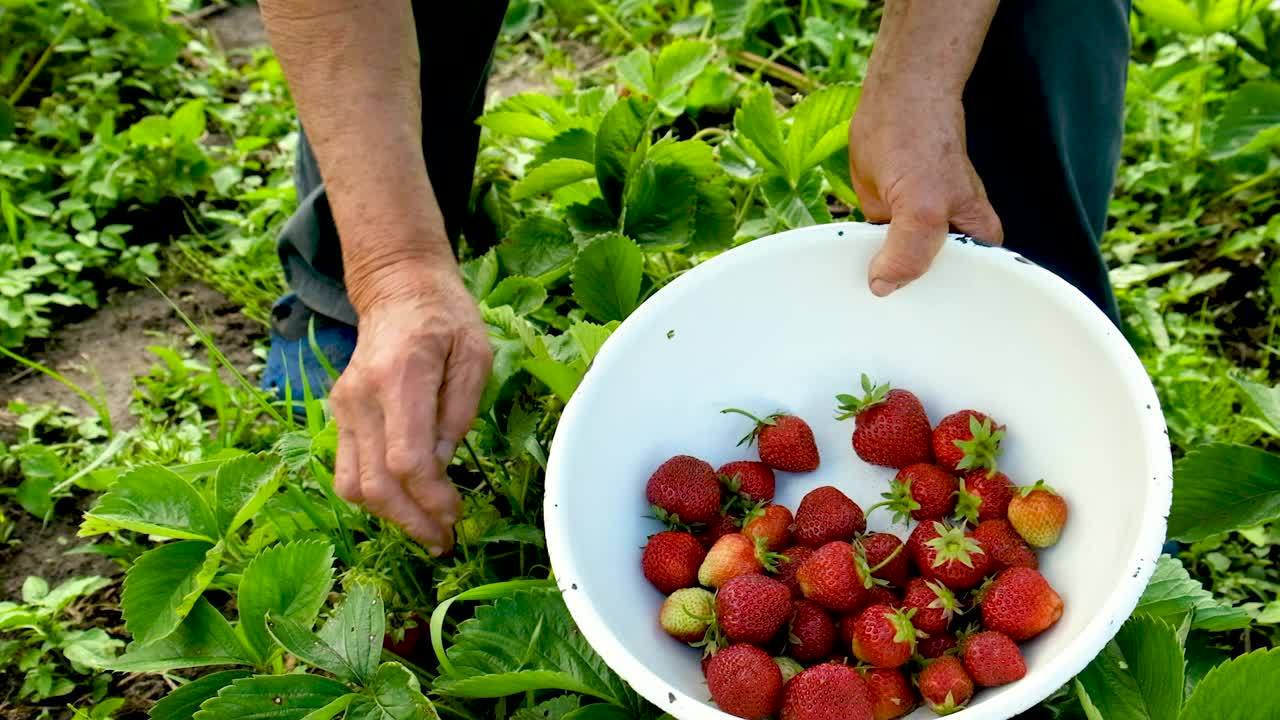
(785, 323)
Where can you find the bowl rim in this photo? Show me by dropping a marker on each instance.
(1027, 693)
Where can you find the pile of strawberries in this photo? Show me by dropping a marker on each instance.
(807, 615)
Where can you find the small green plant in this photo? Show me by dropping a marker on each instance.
(38, 639)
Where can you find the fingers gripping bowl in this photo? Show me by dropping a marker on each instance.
(785, 323)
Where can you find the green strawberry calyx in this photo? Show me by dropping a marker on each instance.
(952, 545)
(899, 500)
(947, 707)
(760, 424)
(768, 560)
(851, 406)
(967, 504)
(944, 600)
(982, 449)
(904, 632)
(673, 521)
(1040, 484)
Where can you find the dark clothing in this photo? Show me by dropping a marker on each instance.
(1044, 109)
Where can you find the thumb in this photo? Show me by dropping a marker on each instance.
(914, 238)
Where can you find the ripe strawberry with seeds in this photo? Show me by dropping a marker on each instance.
(934, 603)
(785, 442)
(770, 524)
(935, 646)
(891, 426)
(752, 608)
(789, 563)
(827, 692)
(716, 529)
(886, 557)
(671, 559)
(826, 514)
(731, 556)
(877, 595)
(891, 693)
(687, 614)
(921, 492)
(684, 491)
(884, 636)
(945, 685)
(1005, 546)
(1038, 513)
(984, 496)
(1020, 603)
(949, 555)
(993, 659)
(832, 577)
(750, 480)
(812, 632)
(967, 440)
(744, 681)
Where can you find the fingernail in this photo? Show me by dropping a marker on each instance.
(444, 451)
(435, 550)
(881, 287)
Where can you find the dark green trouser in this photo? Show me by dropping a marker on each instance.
(1044, 106)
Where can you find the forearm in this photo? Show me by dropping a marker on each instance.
(353, 68)
(926, 49)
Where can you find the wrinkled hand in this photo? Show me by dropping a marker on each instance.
(408, 398)
(910, 168)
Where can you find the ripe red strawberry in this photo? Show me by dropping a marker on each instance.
(993, 659)
(832, 577)
(877, 595)
(949, 555)
(732, 555)
(945, 686)
(891, 693)
(1038, 514)
(785, 442)
(824, 515)
(827, 692)
(886, 557)
(671, 559)
(967, 440)
(922, 492)
(687, 613)
(984, 496)
(749, 480)
(789, 562)
(892, 428)
(744, 681)
(752, 608)
(1005, 546)
(935, 605)
(884, 637)
(935, 646)
(684, 491)
(1021, 604)
(812, 632)
(772, 524)
(716, 529)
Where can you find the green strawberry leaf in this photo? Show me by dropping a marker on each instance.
(607, 276)
(660, 206)
(522, 294)
(757, 124)
(241, 486)
(1139, 675)
(553, 709)
(394, 694)
(1263, 401)
(481, 274)
(733, 17)
(204, 638)
(620, 144)
(272, 697)
(798, 206)
(573, 144)
(819, 127)
(677, 66)
(355, 630)
(164, 584)
(291, 581)
(1240, 689)
(1221, 487)
(635, 70)
(1172, 594)
(1250, 120)
(182, 703)
(518, 124)
(552, 175)
(152, 500)
(538, 247)
(526, 641)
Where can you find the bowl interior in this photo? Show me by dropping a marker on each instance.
(785, 323)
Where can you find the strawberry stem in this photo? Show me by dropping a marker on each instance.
(759, 424)
(888, 559)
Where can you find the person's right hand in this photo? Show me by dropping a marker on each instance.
(408, 398)
(910, 168)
